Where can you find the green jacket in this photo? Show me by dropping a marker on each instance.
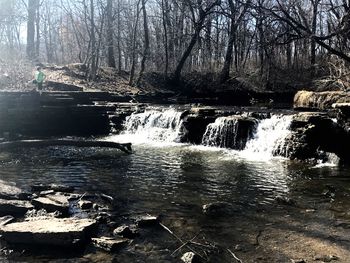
(39, 76)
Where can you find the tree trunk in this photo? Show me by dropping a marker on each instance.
(134, 42)
(225, 72)
(146, 44)
(180, 65)
(313, 42)
(31, 29)
(119, 38)
(110, 31)
(37, 24)
(93, 69)
(165, 40)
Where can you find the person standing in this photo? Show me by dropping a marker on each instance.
(39, 78)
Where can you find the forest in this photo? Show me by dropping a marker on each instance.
(267, 42)
(175, 131)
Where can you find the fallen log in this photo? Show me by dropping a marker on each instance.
(125, 147)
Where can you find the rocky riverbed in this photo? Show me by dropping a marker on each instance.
(90, 229)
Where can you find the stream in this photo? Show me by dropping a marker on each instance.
(174, 180)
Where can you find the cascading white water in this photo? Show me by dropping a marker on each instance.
(269, 135)
(229, 132)
(221, 133)
(154, 125)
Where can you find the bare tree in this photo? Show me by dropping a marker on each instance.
(146, 42)
(198, 21)
(110, 45)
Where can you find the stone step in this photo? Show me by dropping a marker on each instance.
(65, 232)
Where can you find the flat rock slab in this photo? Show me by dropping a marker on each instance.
(109, 244)
(14, 207)
(53, 231)
(52, 203)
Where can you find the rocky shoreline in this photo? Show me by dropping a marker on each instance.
(54, 217)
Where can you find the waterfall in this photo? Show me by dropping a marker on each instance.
(269, 135)
(229, 132)
(154, 125)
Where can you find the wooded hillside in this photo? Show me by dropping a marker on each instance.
(265, 40)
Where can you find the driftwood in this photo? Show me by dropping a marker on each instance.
(125, 147)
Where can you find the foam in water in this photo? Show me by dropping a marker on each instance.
(269, 135)
(153, 126)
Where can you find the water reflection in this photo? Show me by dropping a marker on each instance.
(151, 177)
(177, 181)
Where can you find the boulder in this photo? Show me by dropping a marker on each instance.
(50, 231)
(14, 207)
(313, 134)
(195, 123)
(110, 244)
(52, 203)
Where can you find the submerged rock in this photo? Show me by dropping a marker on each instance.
(53, 187)
(190, 257)
(52, 203)
(109, 244)
(147, 221)
(126, 231)
(6, 220)
(284, 200)
(326, 258)
(14, 207)
(84, 204)
(220, 209)
(53, 231)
